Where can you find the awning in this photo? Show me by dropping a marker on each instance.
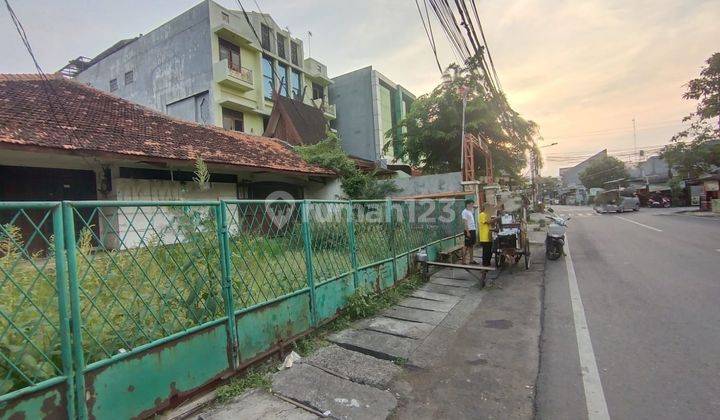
(658, 187)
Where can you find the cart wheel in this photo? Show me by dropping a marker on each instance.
(499, 260)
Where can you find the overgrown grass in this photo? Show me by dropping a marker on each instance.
(169, 280)
(255, 377)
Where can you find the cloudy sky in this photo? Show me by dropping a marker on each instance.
(582, 69)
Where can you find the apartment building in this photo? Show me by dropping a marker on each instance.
(369, 105)
(210, 65)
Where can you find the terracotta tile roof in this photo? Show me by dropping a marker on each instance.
(94, 121)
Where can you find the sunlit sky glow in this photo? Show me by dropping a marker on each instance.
(581, 69)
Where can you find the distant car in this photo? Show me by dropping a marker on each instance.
(613, 201)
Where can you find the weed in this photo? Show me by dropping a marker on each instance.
(400, 361)
(256, 377)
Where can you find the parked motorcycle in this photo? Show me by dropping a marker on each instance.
(663, 202)
(555, 237)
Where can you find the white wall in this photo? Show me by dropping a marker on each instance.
(152, 224)
(331, 190)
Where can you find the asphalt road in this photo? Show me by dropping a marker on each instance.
(649, 283)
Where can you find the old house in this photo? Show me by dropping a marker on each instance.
(62, 140)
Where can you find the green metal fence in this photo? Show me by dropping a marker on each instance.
(119, 309)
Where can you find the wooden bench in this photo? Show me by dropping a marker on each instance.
(448, 253)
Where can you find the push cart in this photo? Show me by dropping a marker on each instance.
(511, 243)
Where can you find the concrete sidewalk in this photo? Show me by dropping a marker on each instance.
(450, 350)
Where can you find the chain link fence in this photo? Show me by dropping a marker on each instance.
(86, 282)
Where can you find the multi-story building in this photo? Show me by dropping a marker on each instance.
(369, 106)
(211, 65)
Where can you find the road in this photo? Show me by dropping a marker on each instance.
(648, 289)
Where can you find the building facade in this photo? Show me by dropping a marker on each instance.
(368, 106)
(570, 177)
(211, 66)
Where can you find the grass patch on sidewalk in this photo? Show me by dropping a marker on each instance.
(255, 377)
(363, 304)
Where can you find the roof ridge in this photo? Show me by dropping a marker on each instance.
(239, 156)
(230, 133)
(27, 77)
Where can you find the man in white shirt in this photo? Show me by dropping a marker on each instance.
(468, 217)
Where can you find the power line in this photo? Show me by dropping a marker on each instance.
(619, 130)
(430, 37)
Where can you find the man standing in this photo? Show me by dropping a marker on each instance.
(468, 217)
(485, 237)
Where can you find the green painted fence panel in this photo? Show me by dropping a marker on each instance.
(150, 285)
(263, 327)
(387, 275)
(48, 403)
(331, 296)
(402, 265)
(368, 278)
(139, 385)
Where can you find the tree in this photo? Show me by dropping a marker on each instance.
(355, 183)
(433, 127)
(548, 184)
(602, 170)
(696, 149)
(706, 90)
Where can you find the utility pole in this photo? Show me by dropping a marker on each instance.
(635, 142)
(463, 90)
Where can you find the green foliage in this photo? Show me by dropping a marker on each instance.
(602, 170)
(676, 188)
(706, 89)
(434, 126)
(202, 174)
(696, 149)
(133, 295)
(355, 183)
(328, 154)
(256, 377)
(548, 183)
(692, 158)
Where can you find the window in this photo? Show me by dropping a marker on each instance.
(295, 53)
(113, 85)
(283, 79)
(233, 120)
(268, 80)
(295, 85)
(281, 46)
(231, 52)
(225, 17)
(265, 31)
(129, 77)
(318, 91)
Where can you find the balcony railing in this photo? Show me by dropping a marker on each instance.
(246, 75)
(231, 75)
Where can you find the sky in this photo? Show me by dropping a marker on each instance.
(582, 69)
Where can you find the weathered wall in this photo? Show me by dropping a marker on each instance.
(330, 190)
(571, 176)
(352, 95)
(429, 184)
(170, 64)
